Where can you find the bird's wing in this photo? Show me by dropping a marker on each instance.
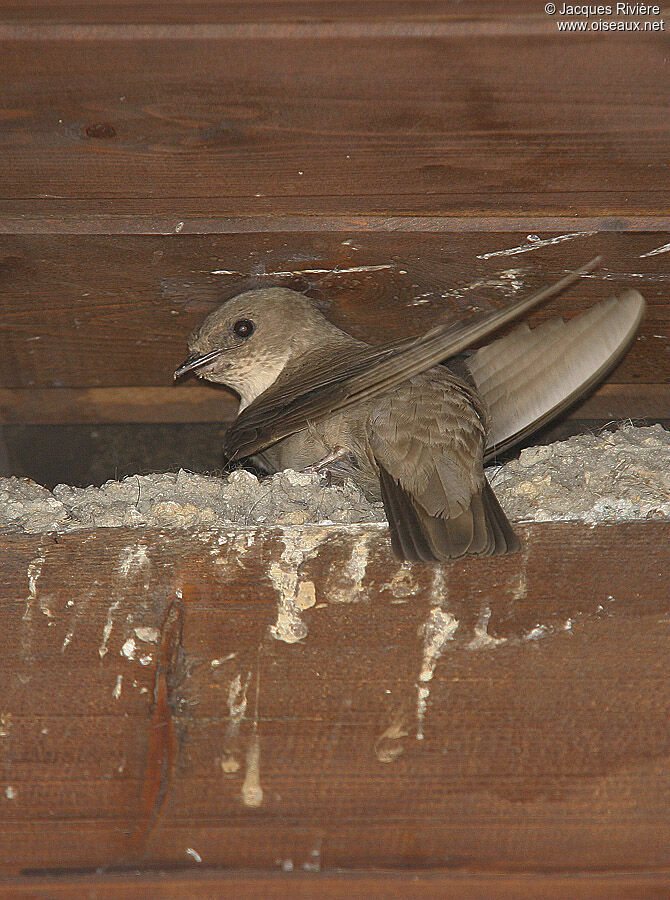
(427, 440)
(528, 377)
(335, 381)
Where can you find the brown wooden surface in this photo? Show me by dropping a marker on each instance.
(410, 885)
(116, 311)
(545, 752)
(337, 124)
(204, 403)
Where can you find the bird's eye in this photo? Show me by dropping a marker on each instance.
(243, 328)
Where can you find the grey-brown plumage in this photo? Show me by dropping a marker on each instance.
(406, 429)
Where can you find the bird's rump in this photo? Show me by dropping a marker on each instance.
(427, 440)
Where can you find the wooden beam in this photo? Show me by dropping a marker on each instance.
(412, 885)
(423, 129)
(286, 698)
(116, 311)
(207, 403)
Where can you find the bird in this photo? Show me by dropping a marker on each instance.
(413, 421)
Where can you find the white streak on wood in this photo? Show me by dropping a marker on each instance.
(438, 629)
(536, 245)
(107, 630)
(215, 663)
(34, 572)
(537, 632)
(508, 282)
(337, 271)
(354, 572)
(194, 854)
(387, 745)
(657, 252)
(116, 693)
(81, 606)
(252, 790)
(482, 640)
(237, 707)
(11, 792)
(135, 558)
(295, 595)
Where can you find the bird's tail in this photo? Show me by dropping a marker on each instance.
(530, 376)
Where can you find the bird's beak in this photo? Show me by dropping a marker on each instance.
(195, 361)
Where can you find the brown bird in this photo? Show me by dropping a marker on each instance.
(402, 426)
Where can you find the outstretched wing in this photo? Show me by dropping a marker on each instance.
(529, 377)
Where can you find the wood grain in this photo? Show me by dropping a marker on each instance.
(286, 123)
(542, 745)
(277, 12)
(411, 884)
(205, 403)
(87, 312)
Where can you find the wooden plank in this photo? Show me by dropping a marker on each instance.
(135, 12)
(410, 885)
(205, 403)
(115, 311)
(184, 217)
(423, 129)
(487, 715)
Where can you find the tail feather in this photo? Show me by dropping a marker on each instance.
(530, 376)
(482, 529)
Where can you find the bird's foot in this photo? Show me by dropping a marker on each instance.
(321, 467)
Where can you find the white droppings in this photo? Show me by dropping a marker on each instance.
(402, 585)
(657, 252)
(129, 648)
(508, 282)
(178, 229)
(107, 630)
(439, 628)
(387, 745)
(215, 663)
(537, 244)
(237, 707)
(286, 865)
(252, 790)
(133, 558)
(482, 639)
(314, 864)
(194, 854)
(147, 634)
(5, 724)
(294, 595)
(11, 792)
(34, 572)
(146, 659)
(357, 564)
(116, 693)
(567, 625)
(287, 274)
(537, 632)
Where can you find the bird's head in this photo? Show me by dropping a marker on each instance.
(246, 343)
